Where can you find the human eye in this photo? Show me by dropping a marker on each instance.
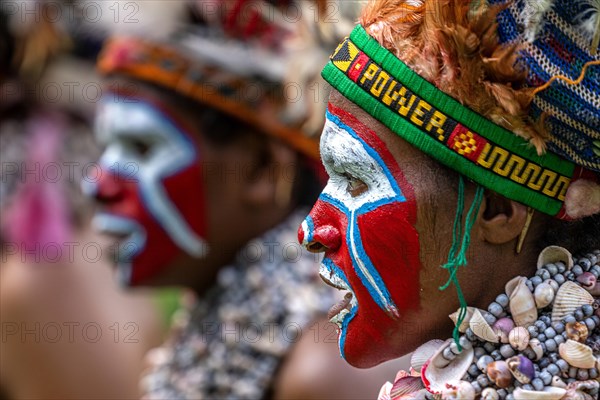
(355, 187)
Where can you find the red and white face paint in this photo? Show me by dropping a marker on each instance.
(151, 188)
(364, 221)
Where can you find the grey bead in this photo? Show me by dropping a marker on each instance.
(596, 319)
(559, 278)
(559, 327)
(551, 345)
(470, 335)
(544, 362)
(448, 354)
(563, 365)
(587, 309)
(545, 274)
(489, 347)
(553, 369)
(527, 386)
(495, 309)
(476, 386)
(554, 357)
(483, 381)
(546, 377)
(479, 352)
(473, 370)
(546, 320)
(558, 339)
(502, 299)
(502, 393)
(552, 268)
(483, 362)
(572, 372)
(510, 397)
(593, 373)
(578, 314)
(582, 374)
(550, 333)
(540, 325)
(577, 270)
(542, 337)
(507, 351)
(537, 384)
(585, 263)
(561, 266)
(453, 348)
(465, 343)
(536, 280)
(489, 318)
(590, 324)
(533, 331)
(496, 355)
(569, 319)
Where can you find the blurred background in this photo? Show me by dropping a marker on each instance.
(67, 329)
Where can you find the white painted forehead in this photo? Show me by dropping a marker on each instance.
(130, 118)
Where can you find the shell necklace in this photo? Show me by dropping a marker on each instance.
(539, 340)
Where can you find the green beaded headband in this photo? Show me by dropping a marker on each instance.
(382, 85)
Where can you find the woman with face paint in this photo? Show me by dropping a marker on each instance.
(497, 106)
(208, 168)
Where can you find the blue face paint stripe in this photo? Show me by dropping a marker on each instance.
(335, 119)
(330, 265)
(311, 228)
(380, 289)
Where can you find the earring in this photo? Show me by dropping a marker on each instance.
(523, 233)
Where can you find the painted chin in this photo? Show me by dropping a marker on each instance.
(130, 238)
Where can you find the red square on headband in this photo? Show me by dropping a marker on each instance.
(357, 66)
(466, 143)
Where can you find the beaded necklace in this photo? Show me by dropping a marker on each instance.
(539, 340)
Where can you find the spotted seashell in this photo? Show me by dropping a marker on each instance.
(557, 382)
(552, 254)
(587, 280)
(577, 354)
(519, 338)
(521, 367)
(569, 298)
(424, 353)
(521, 302)
(582, 390)
(543, 295)
(481, 328)
(549, 393)
(438, 370)
(577, 331)
(458, 390)
(502, 328)
(499, 373)
(537, 348)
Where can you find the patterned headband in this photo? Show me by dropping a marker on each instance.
(370, 76)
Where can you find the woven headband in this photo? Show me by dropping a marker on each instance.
(165, 66)
(382, 85)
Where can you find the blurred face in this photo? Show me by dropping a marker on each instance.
(151, 188)
(364, 221)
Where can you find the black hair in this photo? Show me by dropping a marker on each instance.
(579, 236)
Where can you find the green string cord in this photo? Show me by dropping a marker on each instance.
(457, 260)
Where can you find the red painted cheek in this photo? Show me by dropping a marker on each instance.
(185, 192)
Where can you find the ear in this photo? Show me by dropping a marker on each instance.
(271, 181)
(501, 220)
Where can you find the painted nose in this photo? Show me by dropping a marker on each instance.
(105, 188)
(320, 239)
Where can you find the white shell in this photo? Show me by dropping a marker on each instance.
(536, 346)
(543, 295)
(577, 354)
(521, 302)
(569, 297)
(552, 254)
(519, 338)
(481, 328)
(440, 371)
(489, 394)
(424, 353)
(465, 324)
(458, 390)
(549, 393)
